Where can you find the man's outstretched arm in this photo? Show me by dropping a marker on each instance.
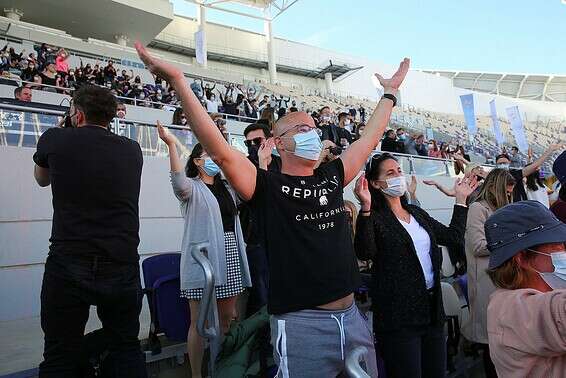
(356, 155)
(530, 169)
(239, 171)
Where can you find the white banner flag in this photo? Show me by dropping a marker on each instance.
(495, 123)
(199, 47)
(516, 122)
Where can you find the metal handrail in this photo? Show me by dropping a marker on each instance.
(224, 115)
(353, 367)
(208, 312)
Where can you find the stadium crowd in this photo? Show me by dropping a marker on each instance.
(278, 226)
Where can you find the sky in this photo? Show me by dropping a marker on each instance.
(521, 36)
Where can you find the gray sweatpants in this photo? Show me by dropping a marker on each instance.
(316, 343)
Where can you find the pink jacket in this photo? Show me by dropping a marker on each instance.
(527, 333)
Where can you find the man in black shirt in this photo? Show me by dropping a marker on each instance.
(93, 257)
(390, 143)
(504, 161)
(327, 127)
(257, 136)
(312, 266)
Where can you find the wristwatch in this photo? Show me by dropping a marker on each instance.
(390, 97)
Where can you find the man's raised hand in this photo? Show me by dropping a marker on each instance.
(395, 81)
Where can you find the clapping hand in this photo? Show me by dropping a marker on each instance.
(463, 187)
(165, 135)
(361, 191)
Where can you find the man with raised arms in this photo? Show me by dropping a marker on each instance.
(313, 272)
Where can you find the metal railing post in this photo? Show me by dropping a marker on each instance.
(208, 313)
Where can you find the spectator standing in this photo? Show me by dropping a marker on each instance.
(29, 72)
(433, 150)
(516, 160)
(49, 76)
(302, 292)
(212, 104)
(329, 131)
(93, 257)
(495, 193)
(402, 242)
(61, 64)
(536, 190)
(504, 161)
(203, 195)
(390, 143)
(527, 313)
(344, 128)
(109, 72)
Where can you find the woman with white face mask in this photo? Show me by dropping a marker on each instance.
(403, 241)
(526, 316)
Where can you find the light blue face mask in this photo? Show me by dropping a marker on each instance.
(557, 279)
(308, 145)
(275, 152)
(503, 166)
(210, 167)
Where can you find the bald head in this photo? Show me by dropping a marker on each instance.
(290, 121)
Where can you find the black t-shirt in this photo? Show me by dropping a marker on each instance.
(519, 193)
(247, 219)
(95, 181)
(307, 238)
(226, 204)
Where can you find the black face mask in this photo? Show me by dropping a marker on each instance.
(253, 153)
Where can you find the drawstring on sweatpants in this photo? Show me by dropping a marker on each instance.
(342, 332)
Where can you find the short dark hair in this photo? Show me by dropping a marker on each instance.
(18, 91)
(324, 107)
(399, 129)
(515, 148)
(502, 156)
(342, 115)
(257, 126)
(98, 104)
(293, 109)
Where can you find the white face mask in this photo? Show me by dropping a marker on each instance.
(396, 186)
(557, 279)
(503, 165)
(346, 122)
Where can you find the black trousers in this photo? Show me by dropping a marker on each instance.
(70, 286)
(259, 272)
(414, 352)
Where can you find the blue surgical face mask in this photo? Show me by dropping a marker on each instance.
(275, 152)
(210, 167)
(308, 145)
(503, 166)
(402, 137)
(557, 279)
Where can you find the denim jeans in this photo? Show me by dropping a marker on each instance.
(71, 284)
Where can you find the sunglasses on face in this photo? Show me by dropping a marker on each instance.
(254, 142)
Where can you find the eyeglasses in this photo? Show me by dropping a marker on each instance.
(255, 142)
(303, 128)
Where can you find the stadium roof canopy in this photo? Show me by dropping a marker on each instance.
(99, 19)
(527, 86)
(266, 10)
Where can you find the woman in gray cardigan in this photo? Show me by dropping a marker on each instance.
(495, 193)
(208, 206)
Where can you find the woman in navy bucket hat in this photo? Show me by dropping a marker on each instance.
(526, 316)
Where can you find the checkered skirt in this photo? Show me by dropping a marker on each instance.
(233, 284)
